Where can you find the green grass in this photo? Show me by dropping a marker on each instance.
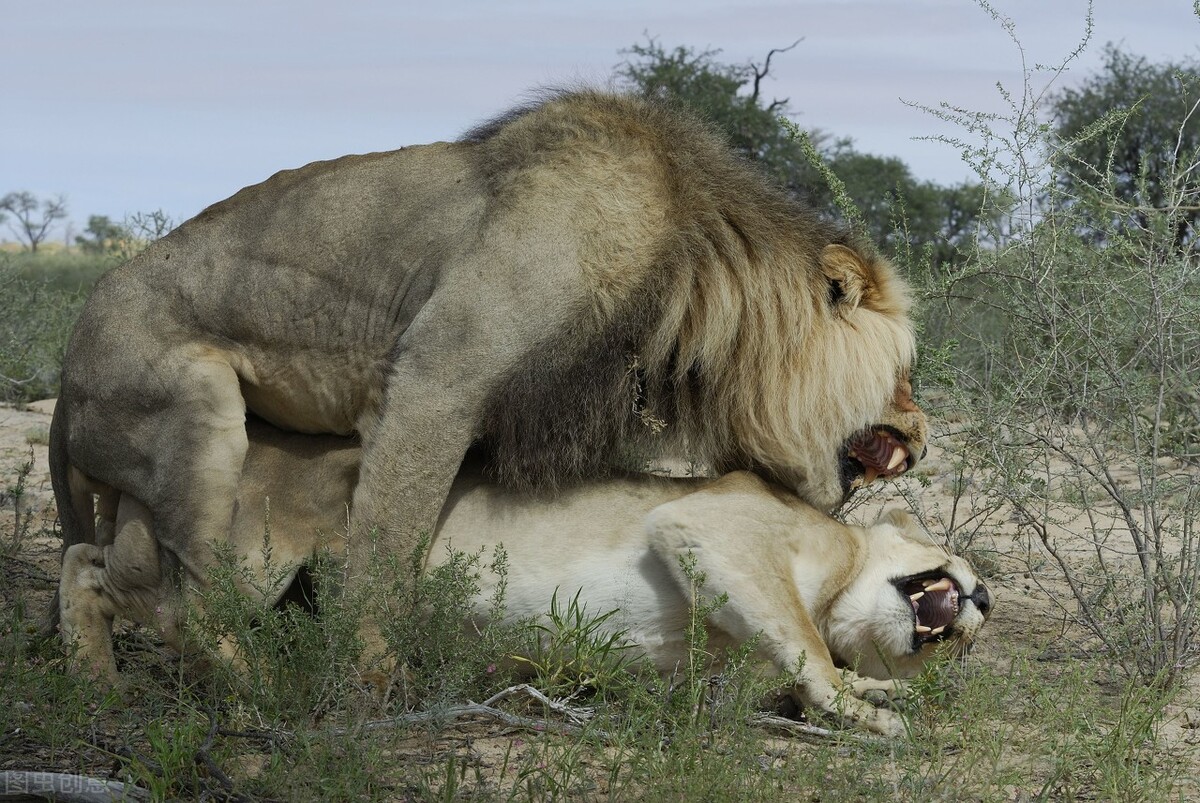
(67, 270)
(296, 724)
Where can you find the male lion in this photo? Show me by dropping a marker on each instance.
(585, 280)
(816, 591)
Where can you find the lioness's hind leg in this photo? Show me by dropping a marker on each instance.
(99, 583)
(85, 611)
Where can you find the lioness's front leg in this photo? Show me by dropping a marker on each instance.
(787, 636)
(741, 548)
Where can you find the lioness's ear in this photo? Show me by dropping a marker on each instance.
(906, 523)
(847, 274)
(897, 517)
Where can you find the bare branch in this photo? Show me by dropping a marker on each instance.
(761, 73)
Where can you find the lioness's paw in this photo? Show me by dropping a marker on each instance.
(884, 690)
(884, 722)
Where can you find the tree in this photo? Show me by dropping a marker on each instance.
(1124, 133)
(896, 210)
(32, 227)
(903, 213)
(716, 90)
(102, 236)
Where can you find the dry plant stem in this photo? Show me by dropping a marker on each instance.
(811, 733)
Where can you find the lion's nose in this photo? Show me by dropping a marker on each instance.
(982, 599)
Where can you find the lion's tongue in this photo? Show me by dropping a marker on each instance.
(881, 454)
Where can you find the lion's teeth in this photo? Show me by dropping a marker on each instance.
(898, 456)
(916, 596)
(923, 629)
(937, 631)
(941, 585)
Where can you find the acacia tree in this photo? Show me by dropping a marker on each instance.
(33, 218)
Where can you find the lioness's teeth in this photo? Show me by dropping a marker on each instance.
(937, 631)
(941, 585)
(923, 629)
(898, 457)
(916, 596)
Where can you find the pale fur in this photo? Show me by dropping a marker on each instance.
(587, 282)
(818, 594)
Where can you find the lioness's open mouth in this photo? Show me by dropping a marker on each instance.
(934, 599)
(879, 454)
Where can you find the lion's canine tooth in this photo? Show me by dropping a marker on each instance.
(923, 629)
(937, 631)
(916, 596)
(898, 456)
(941, 585)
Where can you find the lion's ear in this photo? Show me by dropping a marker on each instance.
(847, 274)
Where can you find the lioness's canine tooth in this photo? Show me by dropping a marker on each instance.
(923, 629)
(898, 456)
(941, 585)
(916, 596)
(937, 631)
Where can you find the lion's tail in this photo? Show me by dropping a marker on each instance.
(72, 497)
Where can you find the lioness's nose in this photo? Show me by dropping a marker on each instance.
(982, 599)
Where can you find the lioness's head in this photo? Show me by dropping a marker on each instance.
(909, 597)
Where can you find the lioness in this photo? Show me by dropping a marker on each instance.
(589, 276)
(877, 599)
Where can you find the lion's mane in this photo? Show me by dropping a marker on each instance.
(729, 344)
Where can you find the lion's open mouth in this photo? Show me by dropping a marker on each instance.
(934, 600)
(880, 454)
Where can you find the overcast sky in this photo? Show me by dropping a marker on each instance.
(138, 105)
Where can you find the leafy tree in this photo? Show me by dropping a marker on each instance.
(32, 226)
(903, 213)
(715, 89)
(102, 236)
(1125, 132)
(896, 209)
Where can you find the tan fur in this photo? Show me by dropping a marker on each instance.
(586, 282)
(818, 594)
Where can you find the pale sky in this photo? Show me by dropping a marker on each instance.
(138, 105)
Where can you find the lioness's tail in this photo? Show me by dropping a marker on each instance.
(72, 497)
